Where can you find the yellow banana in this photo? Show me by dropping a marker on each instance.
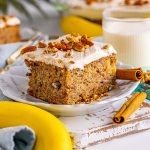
(74, 24)
(147, 15)
(50, 132)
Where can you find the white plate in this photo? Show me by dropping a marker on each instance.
(14, 85)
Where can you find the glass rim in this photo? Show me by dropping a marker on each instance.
(107, 11)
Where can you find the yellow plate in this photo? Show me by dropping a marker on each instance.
(50, 132)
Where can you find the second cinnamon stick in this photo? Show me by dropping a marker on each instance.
(129, 107)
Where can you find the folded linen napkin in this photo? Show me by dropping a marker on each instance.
(17, 138)
(5, 51)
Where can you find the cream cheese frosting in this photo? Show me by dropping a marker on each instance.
(2, 23)
(79, 59)
(9, 21)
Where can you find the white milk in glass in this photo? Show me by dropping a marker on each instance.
(131, 39)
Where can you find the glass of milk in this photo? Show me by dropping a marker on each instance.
(129, 35)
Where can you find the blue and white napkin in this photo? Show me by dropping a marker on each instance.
(17, 138)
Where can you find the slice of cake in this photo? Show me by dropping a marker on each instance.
(9, 29)
(71, 69)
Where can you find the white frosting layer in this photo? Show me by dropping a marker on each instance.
(12, 21)
(80, 59)
(9, 21)
(2, 23)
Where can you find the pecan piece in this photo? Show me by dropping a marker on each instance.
(136, 2)
(52, 44)
(86, 40)
(28, 49)
(105, 47)
(50, 50)
(75, 34)
(90, 43)
(68, 54)
(78, 47)
(71, 62)
(66, 46)
(42, 45)
(89, 2)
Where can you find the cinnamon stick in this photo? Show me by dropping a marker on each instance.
(130, 74)
(129, 107)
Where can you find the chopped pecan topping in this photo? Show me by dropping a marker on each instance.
(75, 34)
(60, 46)
(105, 47)
(136, 2)
(51, 44)
(28, 49)
(66, 46)
(50, 50)
(60, 61)
(72, 41)
(86, 40)
(78, 47)
(53, 50)
(57, 45)
(89, 2)
(71, 62)
(42, 45)
(54, 44)
(68, 55)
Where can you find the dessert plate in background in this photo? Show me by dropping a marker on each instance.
(14, 85)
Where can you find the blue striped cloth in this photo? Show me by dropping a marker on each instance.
(5, 51)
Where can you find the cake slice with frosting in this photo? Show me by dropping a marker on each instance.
(71, 69)
(9, 29)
